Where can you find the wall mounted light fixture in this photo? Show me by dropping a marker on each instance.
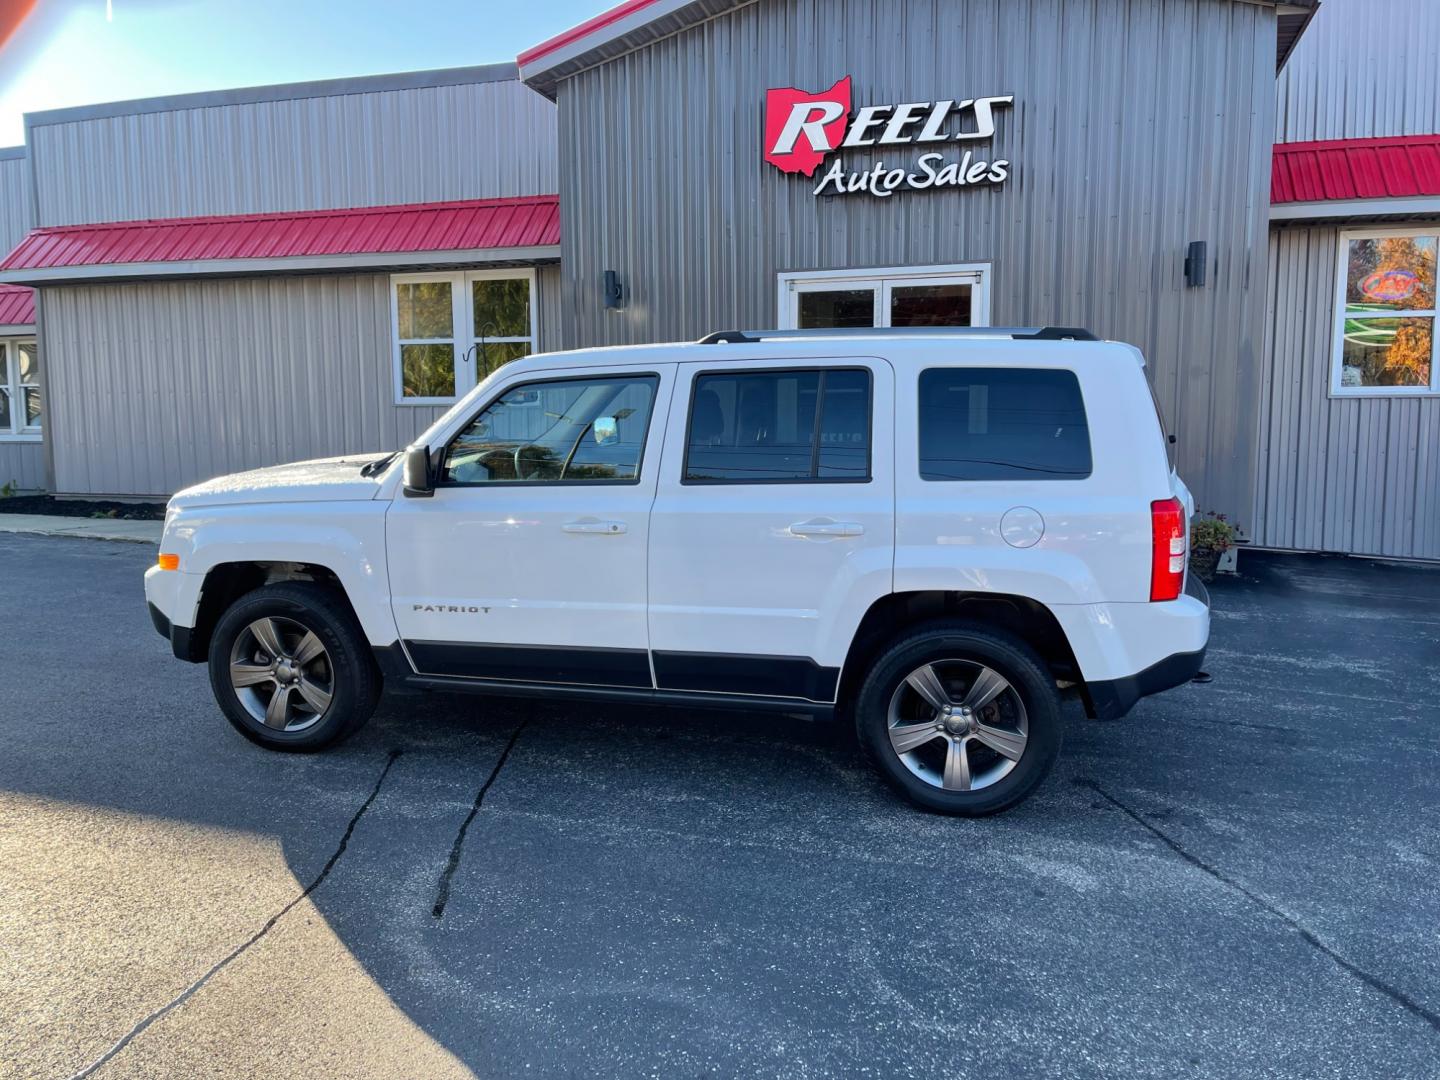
(1195, 264)
(614, 291)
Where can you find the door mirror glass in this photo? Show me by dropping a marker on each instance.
(607, 430)
(418, 483)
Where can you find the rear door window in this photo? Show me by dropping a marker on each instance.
(1002, 424)
(805, 426)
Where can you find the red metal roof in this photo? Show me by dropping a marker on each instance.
(589, 26)
(531, 221)
(1386, 168)
(17, 305)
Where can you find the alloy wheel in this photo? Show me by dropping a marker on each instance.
(958, 725)
(282, 674)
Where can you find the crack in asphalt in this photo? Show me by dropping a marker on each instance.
(442, 894)
(1404, 1000)
(190, 991)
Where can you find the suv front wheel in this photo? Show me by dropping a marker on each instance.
(960, 718)
(291, 669)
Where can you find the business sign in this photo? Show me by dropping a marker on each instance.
(803, 129)
(1390, 286)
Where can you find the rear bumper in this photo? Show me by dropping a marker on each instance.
(1113, 698)
(1125, 651)
(1110, 699)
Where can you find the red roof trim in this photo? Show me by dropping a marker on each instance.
(589, 26)
(475, 224)
(17, 305)
(1345, 169)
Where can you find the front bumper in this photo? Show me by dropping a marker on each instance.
(168, 594)
(180, 637)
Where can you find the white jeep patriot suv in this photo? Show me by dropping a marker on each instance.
(936, 534)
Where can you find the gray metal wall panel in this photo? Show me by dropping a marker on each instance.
(14, 202)
(1364, 68)
(22, 466)
(476, 140)
(1137, 127)
(1359, 475)
(551, 328)
(158, 385)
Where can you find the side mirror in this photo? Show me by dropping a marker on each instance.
(607, 430)
(418, 482)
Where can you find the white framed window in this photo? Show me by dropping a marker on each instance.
(956, 295)
(451, 329)
(1385, 333)
(20, 409)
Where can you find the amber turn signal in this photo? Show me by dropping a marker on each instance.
(169, 562)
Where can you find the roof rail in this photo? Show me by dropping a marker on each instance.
(1027, 333)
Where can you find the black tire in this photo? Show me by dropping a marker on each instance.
(354, 680)
(968, 645)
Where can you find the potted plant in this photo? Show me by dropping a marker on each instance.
(1211, 535)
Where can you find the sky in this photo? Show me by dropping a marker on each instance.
(82, 52)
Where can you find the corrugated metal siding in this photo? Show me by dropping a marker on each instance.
(551, 323)
(1364, 68)
(22, 466)
(158, 385)
(14, 202)
(1137, 127)
(471, 141)
(1359, 475)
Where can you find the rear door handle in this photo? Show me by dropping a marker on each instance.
(826, 527)
(594, 525)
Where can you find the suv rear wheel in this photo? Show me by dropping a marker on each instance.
(291, 669)
(960, 718)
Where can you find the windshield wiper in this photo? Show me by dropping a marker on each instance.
(379, 465)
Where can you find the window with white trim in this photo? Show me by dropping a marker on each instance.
(1385, 334)
(957, 295)
(453, 329)
(20, 411)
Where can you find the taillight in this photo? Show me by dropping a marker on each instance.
(1167, 549)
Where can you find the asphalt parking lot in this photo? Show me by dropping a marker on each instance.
(1240, 879)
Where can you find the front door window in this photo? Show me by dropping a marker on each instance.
(557, 431)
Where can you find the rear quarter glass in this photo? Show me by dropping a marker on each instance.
(1002, 423)
(1167, 436)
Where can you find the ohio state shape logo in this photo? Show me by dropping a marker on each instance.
(803, 129)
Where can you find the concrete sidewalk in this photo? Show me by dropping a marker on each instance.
(137, 532)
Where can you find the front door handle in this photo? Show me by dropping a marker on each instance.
(826, 527)
(595, 525)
